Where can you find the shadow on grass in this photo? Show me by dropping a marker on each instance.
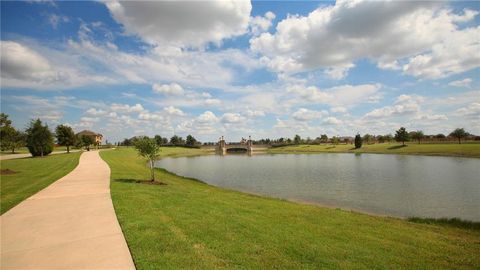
(452, 222)
(140, 181)
(396, 147)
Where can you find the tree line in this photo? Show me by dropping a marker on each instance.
(175, 140)
(401, 135)
(38, 138)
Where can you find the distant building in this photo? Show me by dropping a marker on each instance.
(97, 137)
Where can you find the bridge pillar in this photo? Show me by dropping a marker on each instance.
(249, 145)
(222, 147)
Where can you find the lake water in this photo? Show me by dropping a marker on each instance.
(394, 185)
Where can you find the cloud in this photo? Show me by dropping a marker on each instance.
(232, 118)
(54, 20)
(172, 23)
(403, 105)
(423, 35)
(471, 111)
(207, 117)
(173, 111)
(260, 24)
(125, 108)
(332, 121)
(168, 89)
(303, 114)
(461, 83)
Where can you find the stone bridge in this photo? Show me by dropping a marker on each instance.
(244, 146)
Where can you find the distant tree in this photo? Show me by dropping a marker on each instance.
(402, 135)
(440, 136)
(358, 141)
(324, 138)
(149, 149)
(4, 121)
(65, 136)
(388, 137)
(459, 133)
(176, 140)
(289, 141)
(381, 138)
(191, 141)
(417, 135)
(158, 140)
(86, 141)
(297, 139)
(39, 139)
(335, 140)
(367, 138)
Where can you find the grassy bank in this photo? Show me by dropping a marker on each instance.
(32, 175)
(461, 150)
(190, 225)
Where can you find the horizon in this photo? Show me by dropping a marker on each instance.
(265, 69)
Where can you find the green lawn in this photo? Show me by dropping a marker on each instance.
(190, 225)
(24, 150)
(33, 174)
(463, 150)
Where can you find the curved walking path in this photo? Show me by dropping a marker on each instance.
(71, 224)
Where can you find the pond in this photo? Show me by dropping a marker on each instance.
(394, 185)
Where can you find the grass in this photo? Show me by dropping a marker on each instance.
(461, 150)
(187, 224)
(32, 175)
(24, 150)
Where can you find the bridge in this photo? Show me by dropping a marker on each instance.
(244, 146)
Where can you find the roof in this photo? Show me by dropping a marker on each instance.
(89, 133)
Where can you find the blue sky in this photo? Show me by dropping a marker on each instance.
(266, 69)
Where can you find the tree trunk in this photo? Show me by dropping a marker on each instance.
(459, 140)
(68, 149)
(152, 171)
(13, 150)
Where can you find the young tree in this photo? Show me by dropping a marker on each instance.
(148, 149)
(86, 141)
(191, 141)
(297, 139)
(417, 135)
(402, 135)
(358, 141)
(65, 136)
(10, 138)
(39, 139)
(459, 133)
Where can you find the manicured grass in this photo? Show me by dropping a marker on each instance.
(33, 175)
(462, 150)
(24, 150)
(190, 225)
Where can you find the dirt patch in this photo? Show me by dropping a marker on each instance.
(7, 172)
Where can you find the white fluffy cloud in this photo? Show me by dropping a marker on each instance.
(403, 105)
(461, 83)
(232, 118)
(425, 35)
(125, 108)
(177, 23)
(471, 111)
(260, 24)
(168, 89)
(303, 114)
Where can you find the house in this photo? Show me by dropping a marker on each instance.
(97, 137)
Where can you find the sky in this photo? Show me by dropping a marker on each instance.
(240, 68)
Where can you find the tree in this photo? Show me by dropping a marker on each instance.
(459, 133)
(388, 137)
(324, 138)
(159, 140)
(358, 141)
(367, 138)
(175, 140)
(39, 139)
(86, 141)
(10, 138)
(402, 135)
(148, 149)
(65, 136)
(191, 141)
(297, 139)
(440, 136)
(417, 135)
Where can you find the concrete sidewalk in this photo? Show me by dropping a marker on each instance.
(69, 225)
(15, 156)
